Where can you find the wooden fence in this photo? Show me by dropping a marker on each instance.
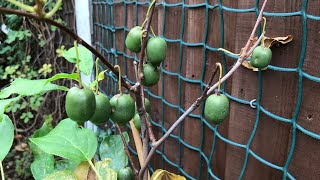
(272, 140)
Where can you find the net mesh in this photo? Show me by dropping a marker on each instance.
(105, 39)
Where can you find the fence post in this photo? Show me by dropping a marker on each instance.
(83, 28)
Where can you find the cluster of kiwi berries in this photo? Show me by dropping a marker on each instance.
(155, 50)
(83, 104)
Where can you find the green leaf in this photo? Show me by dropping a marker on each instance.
(43, 131)
(105, 171)
(73, 76)
(42, 165)
(51, 87)
(42, 43)
(4, 103)
(93, 83)
(67, 165)
(6, 136)
(101, 75)
(62, 175)
(27, 87)
(112, 147)
(85, 57)
(5, 49)
(68, 141)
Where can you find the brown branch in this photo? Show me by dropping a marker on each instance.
(125, 146)
(72, 35)
(245, 54)
(146, 127)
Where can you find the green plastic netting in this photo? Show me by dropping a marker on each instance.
(104, 20)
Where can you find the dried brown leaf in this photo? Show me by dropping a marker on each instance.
(248, 66)
(82, 170)
(269, 42)
(161, 174)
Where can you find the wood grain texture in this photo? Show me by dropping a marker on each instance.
(272, 140)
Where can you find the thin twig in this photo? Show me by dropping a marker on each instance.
(125, 146)
(245, 53)
(72, 35)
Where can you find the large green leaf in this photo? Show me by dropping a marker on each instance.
(68, 141)
(27, 87)
(62, 175)
(52, 87)
(6, 136)
(4, 103)
(43, 163)
(85, 57)
(112, 147)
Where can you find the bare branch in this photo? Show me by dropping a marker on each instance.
(146, 127)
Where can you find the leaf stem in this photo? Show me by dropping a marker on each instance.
(78, 62)
(2, 172)
(144, 22)
(220, 75)
(119, 82)
(152, 31)
(229, 52)
(94, 169)
(97, 74)
(263, 30)
(54, 10)
(22, 6)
